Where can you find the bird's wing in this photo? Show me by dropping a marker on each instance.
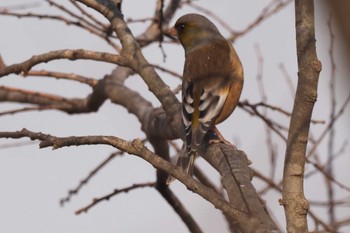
(205, 87)
(201, 105)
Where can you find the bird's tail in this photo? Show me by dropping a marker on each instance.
(186, 162)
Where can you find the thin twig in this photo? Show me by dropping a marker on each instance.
(60, 75)
(267, 12)
(95, 201)
(331, 138)
(92, 173)
(271, 146)
(329, 126)
(29, 109)
(89, 16)
(68, 54)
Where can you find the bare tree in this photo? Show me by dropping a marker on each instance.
(241, 204)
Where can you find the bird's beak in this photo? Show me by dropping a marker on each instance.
(172, 32)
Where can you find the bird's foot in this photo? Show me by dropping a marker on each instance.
(220, 139)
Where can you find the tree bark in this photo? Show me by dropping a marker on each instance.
(294, 202)
(232, 164)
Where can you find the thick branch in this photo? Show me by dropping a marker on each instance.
(137, 148)
(131, 51)
(232, 165)
(47, 101)
(294, 202)
(154, 31)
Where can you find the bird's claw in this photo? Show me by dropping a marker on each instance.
(222, 140)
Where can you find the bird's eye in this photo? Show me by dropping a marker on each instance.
(180, 27)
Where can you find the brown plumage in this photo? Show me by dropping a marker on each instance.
(212, 81)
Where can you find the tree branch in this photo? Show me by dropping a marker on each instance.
(232, 165)
(132, 53)
(91, 174)
(114, 193)
(23, 67)
(294, 202)
(137, 148)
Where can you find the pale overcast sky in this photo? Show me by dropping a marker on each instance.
(32, 180)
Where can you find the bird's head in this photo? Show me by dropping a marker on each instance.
(193, 30)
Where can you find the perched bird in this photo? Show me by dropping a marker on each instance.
(212, 81)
